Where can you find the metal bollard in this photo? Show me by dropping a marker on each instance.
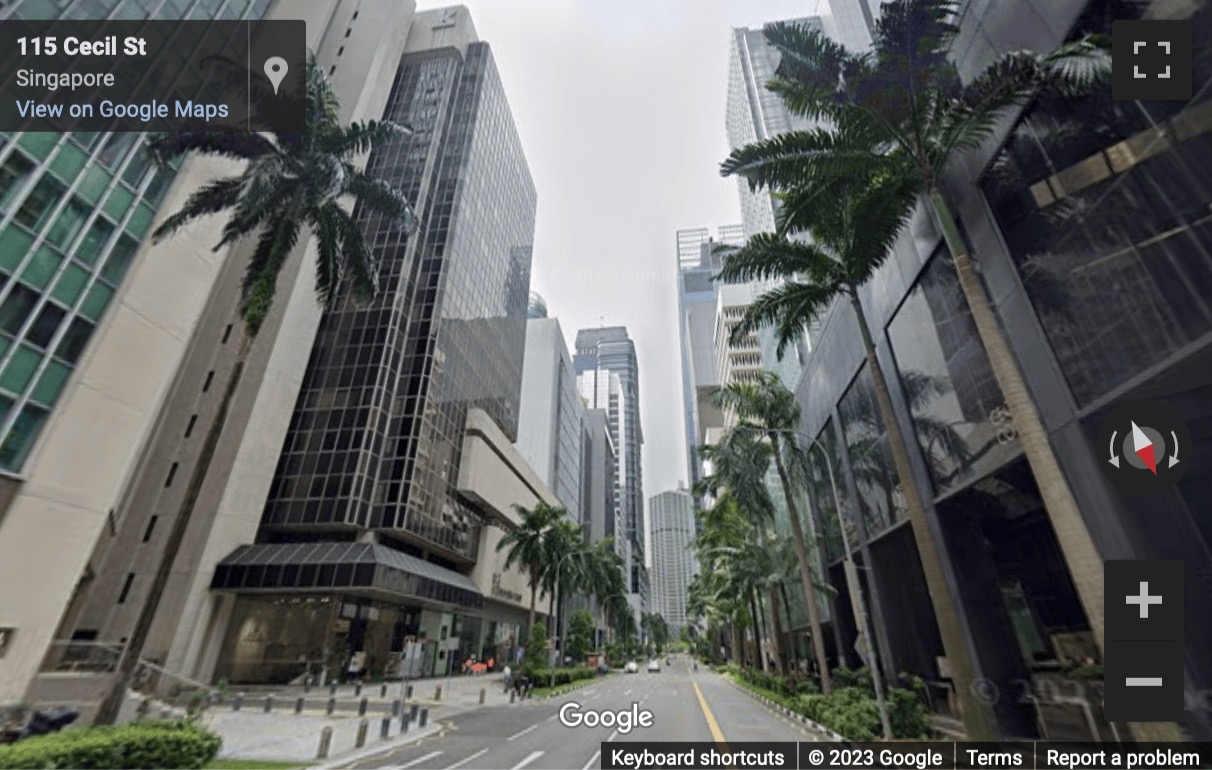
(383, 691)
(269, 703)
(404, 720)
(306, 684)
(437, 693)
(413, 711)
(362, 707)
(332, 704)
(298, 705)
(385, 728)
(325, 743)
(238, 702)
(357, 689)
(408, 692)
(395, 708)
(513, 695)
(361, 739)
(332, 688)
(482, 694)
(424, 718)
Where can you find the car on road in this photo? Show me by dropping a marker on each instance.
(631, 667)
(654, 665)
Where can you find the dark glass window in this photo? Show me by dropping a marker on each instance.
(74, 342)
(880, 497)
(1104, 206)
(47, 323)
(130, 580)
(38, 205)
(17, 308)
(959, 416)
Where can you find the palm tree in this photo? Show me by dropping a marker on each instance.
(567, 564)
(293, 186)
(528, 547)
(768, 407)
(900, 110)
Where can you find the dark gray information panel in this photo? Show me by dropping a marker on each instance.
(152, 75)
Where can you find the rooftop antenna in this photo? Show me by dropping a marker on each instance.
(601, 322)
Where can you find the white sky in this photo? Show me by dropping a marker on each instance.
(620, 106)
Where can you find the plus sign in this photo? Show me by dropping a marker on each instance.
(1144, 600)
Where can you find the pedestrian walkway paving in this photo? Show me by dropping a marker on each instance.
(286, 735)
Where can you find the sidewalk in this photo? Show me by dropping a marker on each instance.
(283, 735)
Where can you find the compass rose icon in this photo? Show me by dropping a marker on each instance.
(1147, 446)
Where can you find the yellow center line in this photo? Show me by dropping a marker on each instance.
(711, 723)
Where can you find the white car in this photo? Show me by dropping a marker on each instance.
(631, 667)
(654, 665)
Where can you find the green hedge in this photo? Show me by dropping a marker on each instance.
(123, 747)
(541, 677)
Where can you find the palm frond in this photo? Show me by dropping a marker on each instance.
(797, 157)
(240, 146)
(383, 198)
(789, 308)
(210, 199)
(261, 277)
(768, 256)
(360, 137)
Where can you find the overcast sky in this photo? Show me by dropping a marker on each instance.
(620, 106)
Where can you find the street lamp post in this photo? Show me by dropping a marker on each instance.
(854, 584)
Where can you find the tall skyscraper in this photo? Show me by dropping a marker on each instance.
(754, 113)
(342, 513)
(551, 431)
(94, 321)
(673, 562)
(609, 349)
(854, 21)
(698, 263)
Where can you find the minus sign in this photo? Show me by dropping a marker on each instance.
(1144, 681)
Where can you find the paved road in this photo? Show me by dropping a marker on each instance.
(686, 706)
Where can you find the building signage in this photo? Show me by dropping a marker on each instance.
(500, 592)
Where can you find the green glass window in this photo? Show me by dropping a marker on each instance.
(45, 325)
(13, 174)
(69, 162)
(6, 405)
(14, 245)
(154, 193)
(20, 440)
(41, 268)
(37, 207)
(17, 307)
(119, 202)
(74, 342)
(68, 224)
(115, 149)
(95, 303)
(6, 342)
(69, 286)
(40, 144)
(50, 383)
(94, 241)
(86, 139)
(139, 221)
(119, 260)
(137, 167)
(20, 369)
(92, 187)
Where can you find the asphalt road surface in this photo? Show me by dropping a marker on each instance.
(686, 705)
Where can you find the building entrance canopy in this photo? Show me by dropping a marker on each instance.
(278, 567)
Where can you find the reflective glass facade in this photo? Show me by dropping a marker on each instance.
(1116, 293)
(959, 416)
(74, 209)
(377, 435)
(881, 501)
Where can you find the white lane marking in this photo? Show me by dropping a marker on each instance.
(419, 760)
(462, 762)
(627, 692)
(553, 716)
(592, 759)
(533, 756)
(613, 735)
(523, 732)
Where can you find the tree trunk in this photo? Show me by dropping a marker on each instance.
(979, 721)
(801, 552)
(128, 664)
(737, 655)
(793, 654)
(778, 629)
(534, 597)
(1081, 555)
(758, 658)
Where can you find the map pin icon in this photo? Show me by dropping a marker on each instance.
(275, 70)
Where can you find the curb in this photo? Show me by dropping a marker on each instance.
(382, 748)
(565, 689)
(780, 708)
